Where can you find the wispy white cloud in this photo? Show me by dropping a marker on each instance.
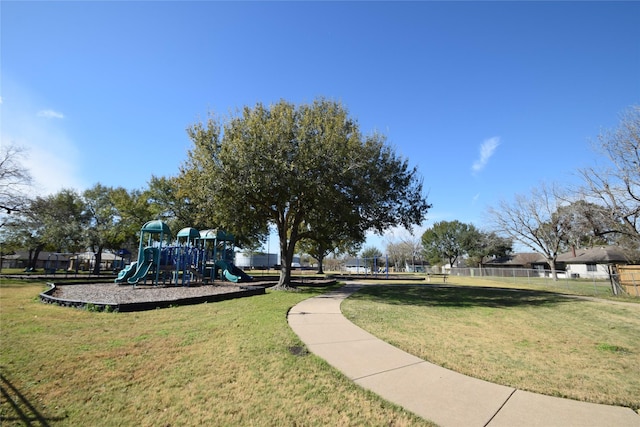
(487, 148)
(50, 114)
(51, 156)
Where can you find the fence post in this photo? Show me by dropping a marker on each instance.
(386, 265)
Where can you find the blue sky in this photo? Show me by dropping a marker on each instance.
(488, 99)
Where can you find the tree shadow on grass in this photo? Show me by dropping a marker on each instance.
(459, 296)
(316, 289)
(17, 408)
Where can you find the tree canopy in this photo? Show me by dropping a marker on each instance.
(292, 166)
(489, 245)
(449, 240)
(326, 236)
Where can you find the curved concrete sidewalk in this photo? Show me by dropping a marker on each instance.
(434, 393)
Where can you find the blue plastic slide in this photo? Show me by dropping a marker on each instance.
(141, 272)
(126, 272)
(149, 257)
(233, 273)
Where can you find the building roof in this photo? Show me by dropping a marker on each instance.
(521, 259)
(53, 256)
(597, 255)
(42, 256)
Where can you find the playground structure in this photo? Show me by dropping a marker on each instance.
(195, 256)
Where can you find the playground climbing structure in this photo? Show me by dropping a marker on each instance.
(194, 256)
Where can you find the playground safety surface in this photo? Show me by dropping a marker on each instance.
(109, 296)
(114, 297)
(117, 294)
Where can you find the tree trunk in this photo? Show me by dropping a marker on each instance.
(96, 267)
(552, 265)
(287, 247)
(320, 260)
(29, 266)
(33, 260)
(452, 261)
(284, 282)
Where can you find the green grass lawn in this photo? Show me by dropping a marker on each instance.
(229, 363)
(538, 341)
(238, 363)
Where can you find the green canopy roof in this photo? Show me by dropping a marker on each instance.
(189, 232)
(215, 234)
(157, 226)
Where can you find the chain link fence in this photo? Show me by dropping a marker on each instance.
(626, 283)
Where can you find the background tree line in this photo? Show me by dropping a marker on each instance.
(97, 219)
(308, 172)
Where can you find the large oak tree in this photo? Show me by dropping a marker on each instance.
(289, 166)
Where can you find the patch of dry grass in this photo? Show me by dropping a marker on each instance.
(536, 341)
(227, 363)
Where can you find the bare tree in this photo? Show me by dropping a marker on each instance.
(395, 253)
(616, 185)
(533, 222)
(588, 224)
(15, 180)
(413, 248)
(404, 251)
